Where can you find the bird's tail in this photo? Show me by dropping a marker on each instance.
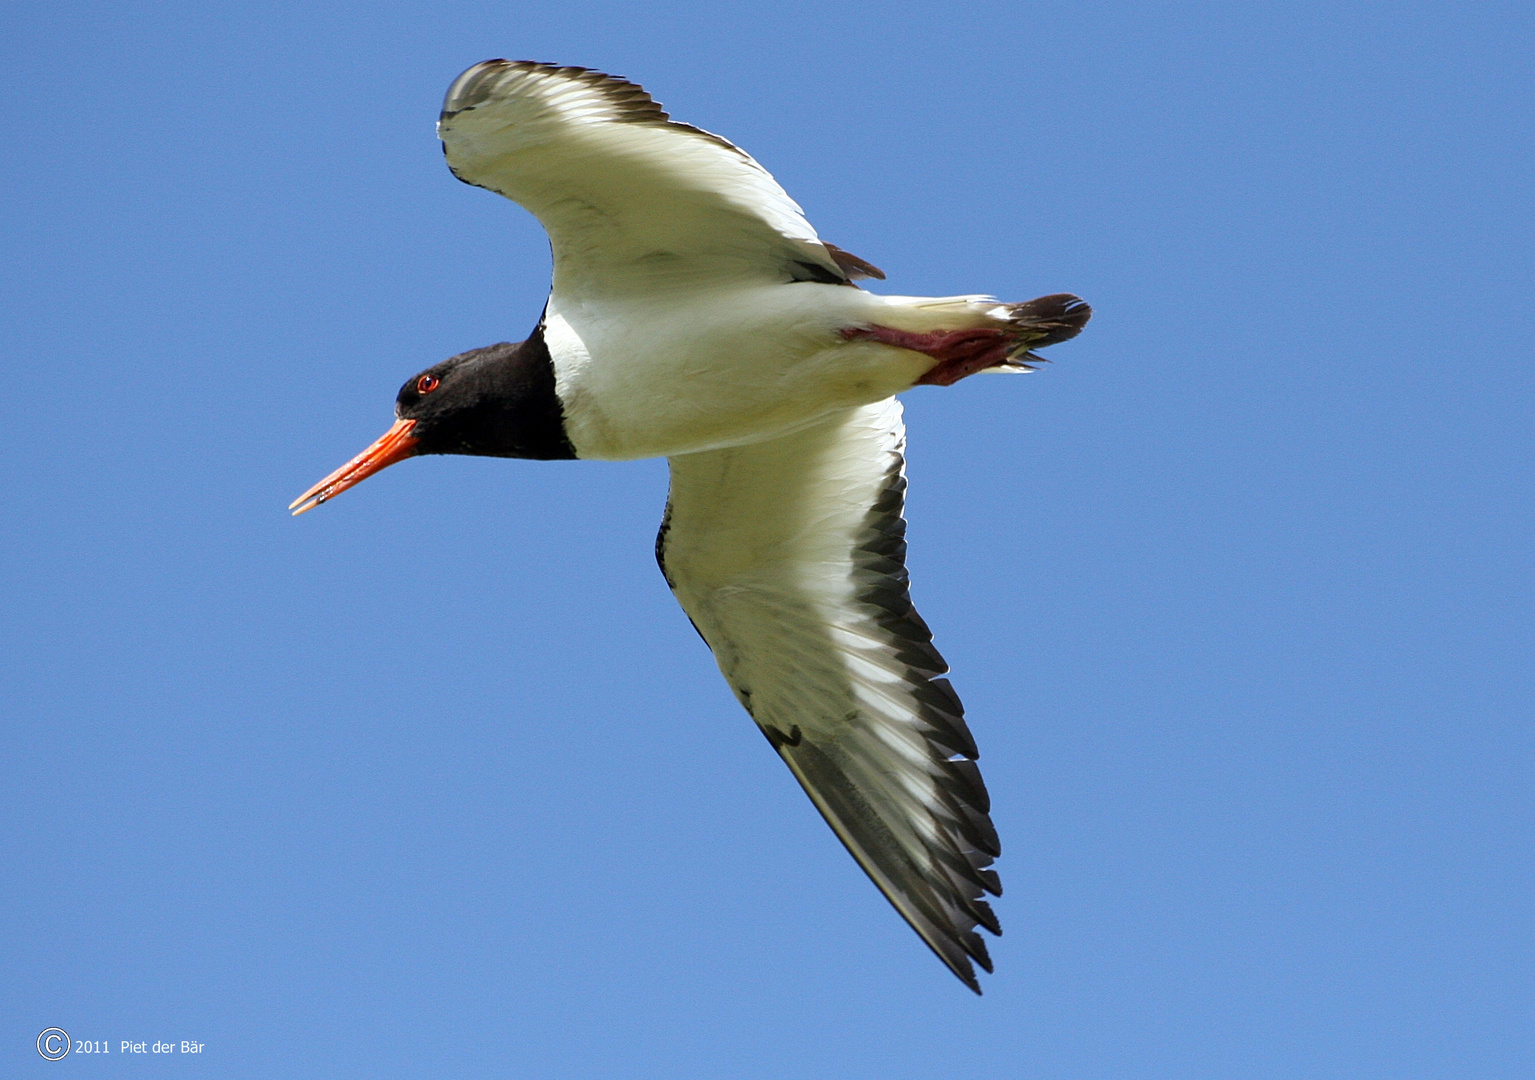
(969, 334)
(1048, 320)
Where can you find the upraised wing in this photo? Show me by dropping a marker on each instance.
(630, 198)
(789, 557)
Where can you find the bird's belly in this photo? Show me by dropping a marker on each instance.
(652, 378)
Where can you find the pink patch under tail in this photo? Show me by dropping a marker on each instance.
(958, 352)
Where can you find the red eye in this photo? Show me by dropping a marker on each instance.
(427, 383)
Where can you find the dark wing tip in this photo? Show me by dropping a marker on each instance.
(630, 102)
(475, 86)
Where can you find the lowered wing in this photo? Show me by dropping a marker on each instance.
(789, 557)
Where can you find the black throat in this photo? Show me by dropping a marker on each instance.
(498, 401)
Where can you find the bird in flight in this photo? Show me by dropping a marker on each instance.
(696, 315)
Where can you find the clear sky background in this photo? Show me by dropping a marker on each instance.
(437, 780)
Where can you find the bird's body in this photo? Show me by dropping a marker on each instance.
(725, 365)
(696, 315)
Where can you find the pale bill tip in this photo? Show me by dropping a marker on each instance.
(305, 503)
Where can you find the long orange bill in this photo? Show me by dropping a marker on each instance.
(396, 444)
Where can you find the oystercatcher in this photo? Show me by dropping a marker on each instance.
(696, 315)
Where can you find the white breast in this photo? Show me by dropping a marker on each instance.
(664, 373)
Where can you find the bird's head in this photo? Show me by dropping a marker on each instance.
(498, 401)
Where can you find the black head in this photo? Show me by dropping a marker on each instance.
(498, 401)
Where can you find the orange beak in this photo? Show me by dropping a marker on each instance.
(396, 444)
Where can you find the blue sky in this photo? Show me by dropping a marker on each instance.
(438, 781)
